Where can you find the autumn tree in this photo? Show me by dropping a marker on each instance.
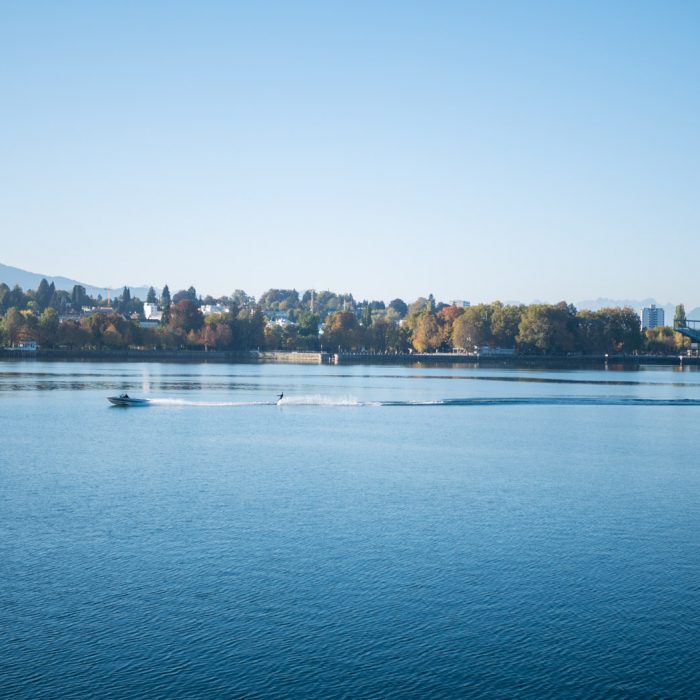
(446, 318)
(91, 325)
(472, 328)
(72, 334)
(111, 337)
(342, 330)
(216, 332)
(417, 307)
(12, 324)
(660, 341)
(427, 334)
(30, 326)
(679, 319)
(185, 316)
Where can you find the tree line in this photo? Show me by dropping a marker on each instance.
(534, 329)
(323, 321)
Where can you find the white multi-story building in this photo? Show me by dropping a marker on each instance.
(460, 303)
(652, 317)
(151, 313)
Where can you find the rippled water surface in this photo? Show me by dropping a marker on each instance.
(383, 532)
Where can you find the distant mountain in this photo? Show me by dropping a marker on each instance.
(30, 280)
(636, 304)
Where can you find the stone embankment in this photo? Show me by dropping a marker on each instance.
(497, 359)
(316, 358)
(135, 355)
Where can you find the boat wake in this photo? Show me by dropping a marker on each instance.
(347, 401)
(550, 401)
(187, 402)
(313, 400)
(319, 400)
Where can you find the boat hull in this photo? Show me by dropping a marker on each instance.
(120, 401)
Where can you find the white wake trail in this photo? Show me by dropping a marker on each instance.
(319, 400)
(304, 400)
(186, 402)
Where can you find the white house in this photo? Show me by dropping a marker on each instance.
(151, 312)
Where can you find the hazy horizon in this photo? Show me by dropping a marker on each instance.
(592, 303)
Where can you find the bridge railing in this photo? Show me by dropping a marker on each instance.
(689, 323)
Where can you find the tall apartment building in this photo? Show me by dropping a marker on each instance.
(652, 317)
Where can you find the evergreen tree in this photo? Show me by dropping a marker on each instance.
(18, 298)
(400, 306)
(78, 297)
(165, 302)
(124, 305)
(151, 296)
(43, 294)
(60, 301)
(4, 297)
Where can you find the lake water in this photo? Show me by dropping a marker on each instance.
(386, 532)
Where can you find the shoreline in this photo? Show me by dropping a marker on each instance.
(294, 357)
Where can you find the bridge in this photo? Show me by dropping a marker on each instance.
(690, 329)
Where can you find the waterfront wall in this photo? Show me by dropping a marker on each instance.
(315, 358)
(167, 356)
(296, 358)
(493, 360)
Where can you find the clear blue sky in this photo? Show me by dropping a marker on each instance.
(512, 150)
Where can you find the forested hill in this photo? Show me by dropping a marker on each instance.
(30, 280)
